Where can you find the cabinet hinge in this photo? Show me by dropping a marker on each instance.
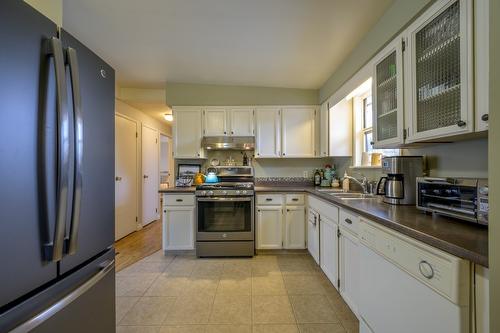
(156, 140)
(156, 210)
(338, 233)
(338, 283)
(136, 219)
(404, 133)
(403, 44)
(136, 134)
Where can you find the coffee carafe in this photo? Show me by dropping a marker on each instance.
(399, 186)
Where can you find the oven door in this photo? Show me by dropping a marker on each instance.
(225, 218)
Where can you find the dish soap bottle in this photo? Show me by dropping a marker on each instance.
(345, 182)
(317, 178)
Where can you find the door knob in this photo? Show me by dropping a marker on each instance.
(146, 176)
(118, 179)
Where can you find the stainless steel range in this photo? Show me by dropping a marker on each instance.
(225, 214)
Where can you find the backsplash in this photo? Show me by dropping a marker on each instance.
(283, 180)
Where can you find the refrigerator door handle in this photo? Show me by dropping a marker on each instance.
(38, 319)
(56, 247)
(72, 59)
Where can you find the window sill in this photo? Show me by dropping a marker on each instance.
(373, 167)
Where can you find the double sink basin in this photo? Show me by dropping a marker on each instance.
(340, 194)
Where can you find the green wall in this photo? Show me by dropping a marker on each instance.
(390, 24)
(494, 167)
(179, 94)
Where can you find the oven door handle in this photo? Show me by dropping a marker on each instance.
(224, 199)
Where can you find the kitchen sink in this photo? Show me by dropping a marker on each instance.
(351, 195)
(330, 190)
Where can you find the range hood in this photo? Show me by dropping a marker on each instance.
(229, 142)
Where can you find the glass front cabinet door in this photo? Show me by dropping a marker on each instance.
(388, 96)
(440, 77)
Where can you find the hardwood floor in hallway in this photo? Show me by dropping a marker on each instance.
(138, 245)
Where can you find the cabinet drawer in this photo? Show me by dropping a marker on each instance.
(324, 208)
(269, 199)
(294, 199)
(349, 220)
(178, 200)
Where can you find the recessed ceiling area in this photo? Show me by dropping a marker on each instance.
(269, 43)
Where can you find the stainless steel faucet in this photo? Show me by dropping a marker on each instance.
(363, 182)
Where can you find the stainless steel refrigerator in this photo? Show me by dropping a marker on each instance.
(56, 179)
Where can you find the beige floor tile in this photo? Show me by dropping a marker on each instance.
(237, 269)
(183, 329)
(272, 309)
(144, 267)
(235, 286)
(208, 268)
(159, 256)
(137, 329)
(268, 285)
(351, 326)
(231, 309)
(190, 310)
(299, 267)
(166, 285)
(148, 311)
(198, 285)
(180, 267)
(313, 309)
(275, 328)
(134, 284)
(123, 305)
(303, 285)
(345, 314)
(321, 328)
(265, 268)
(228, 329)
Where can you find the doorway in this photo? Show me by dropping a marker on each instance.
(150, 175)
(125, 176)
(166, 162)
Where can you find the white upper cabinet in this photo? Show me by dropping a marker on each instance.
(187, 132)
(439, 67)
(267, 132)
(215, 122)
(324, 136)
(481, 63)
(298, 131)
(388, 111)
(241, 121)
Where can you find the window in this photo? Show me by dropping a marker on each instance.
(363, 127)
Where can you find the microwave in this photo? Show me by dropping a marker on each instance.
(462, 198)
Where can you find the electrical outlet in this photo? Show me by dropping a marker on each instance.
(306, 174)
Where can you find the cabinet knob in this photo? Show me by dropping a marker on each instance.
(348, 221)
(284, 154)
(461, 123)
(372, 143)
(232, 132)
(225, 132)
(484, 117)
(146, 176)
(198, 154)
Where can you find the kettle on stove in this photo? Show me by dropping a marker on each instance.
(211, 176)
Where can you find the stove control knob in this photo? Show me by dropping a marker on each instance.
(204, 193)
(244, 192)
(224, 192)
(210, 193)
(238, 192)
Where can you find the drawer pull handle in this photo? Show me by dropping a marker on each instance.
(269, 199)
(426, 269)
(295, 199)
(179, 200)
(348, 221)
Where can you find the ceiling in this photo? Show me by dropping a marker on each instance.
(270, 43)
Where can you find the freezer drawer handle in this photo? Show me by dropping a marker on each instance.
(106, 268)
(78, 149)
(54, 249)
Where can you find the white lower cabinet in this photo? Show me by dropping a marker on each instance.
(179, 224)
(279, 225)
(313, 234)
(329, 249)
(295, 231)
(349, 268)
(269, 227)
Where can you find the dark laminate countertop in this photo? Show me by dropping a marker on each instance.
(461, 239)
(189, 189)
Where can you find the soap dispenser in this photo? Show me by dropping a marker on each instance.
(345, 182)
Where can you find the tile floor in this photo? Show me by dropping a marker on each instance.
(268, 293)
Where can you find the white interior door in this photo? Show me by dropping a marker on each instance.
(150, 173)
(125, 176)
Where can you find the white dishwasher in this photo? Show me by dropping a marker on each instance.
(407, 286)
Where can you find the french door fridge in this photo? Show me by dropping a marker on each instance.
(56, 179)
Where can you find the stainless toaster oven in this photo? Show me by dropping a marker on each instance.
(461, 198)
